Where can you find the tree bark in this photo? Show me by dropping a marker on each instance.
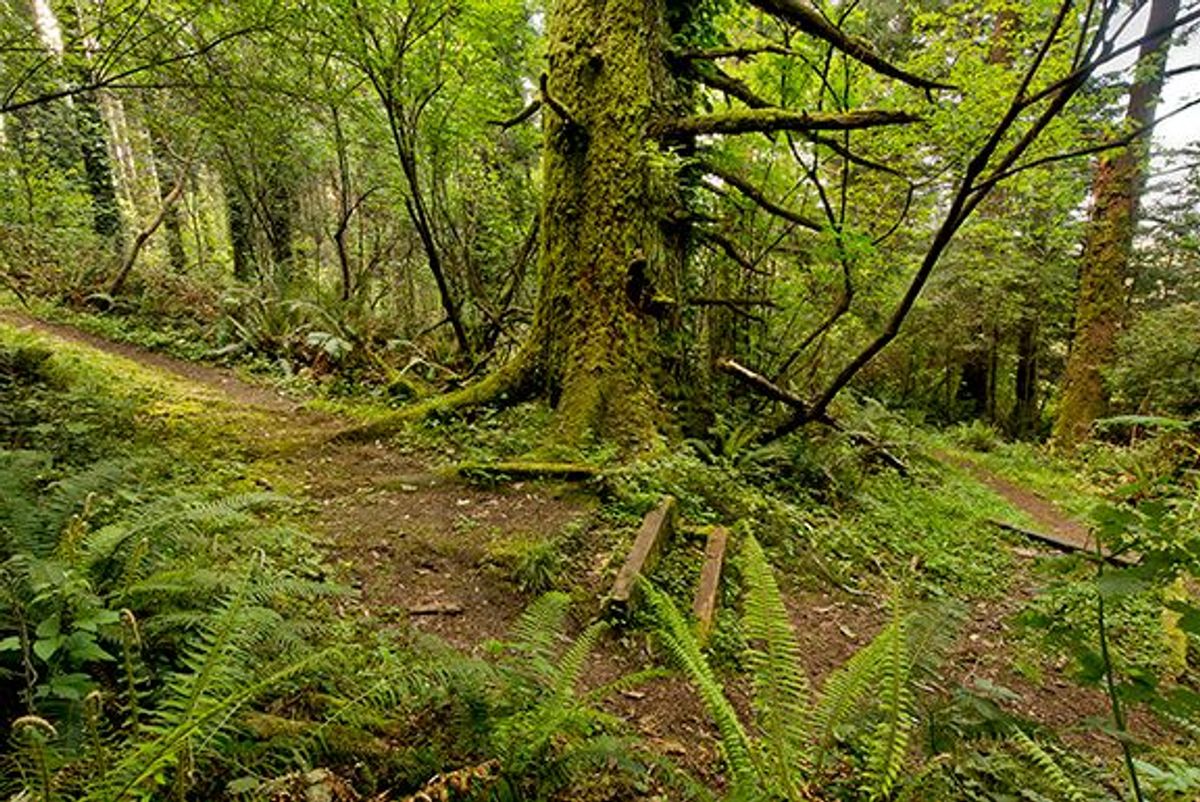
(241, 238)
(1100, 303)
(1025, 409)
(605, 254)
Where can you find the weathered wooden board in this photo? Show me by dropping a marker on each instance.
(705, 604)
(1067, 543)
(655, 531)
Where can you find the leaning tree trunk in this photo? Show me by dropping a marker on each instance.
(1100, 304)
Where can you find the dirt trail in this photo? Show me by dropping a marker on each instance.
(1058, 526)
(429, 549)
(407, 537)
(222, 379)
(423, 547)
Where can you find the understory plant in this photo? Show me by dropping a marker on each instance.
(859, 735)
(862, 720)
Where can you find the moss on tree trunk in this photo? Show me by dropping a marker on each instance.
(604, 252)
(610, 236)
(1100, 305)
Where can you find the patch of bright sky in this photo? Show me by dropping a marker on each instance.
(48, 27)
(1181, 130)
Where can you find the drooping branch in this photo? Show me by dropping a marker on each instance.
(801, 411)
(760, 199)
(762, 120)
(844, 152)
(808, 20)
(520, 116)
(730, 303)
(10, 104)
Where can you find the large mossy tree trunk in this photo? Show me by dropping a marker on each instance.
(1104, 266)
(609, 262)
(605, 259)
(618, 115)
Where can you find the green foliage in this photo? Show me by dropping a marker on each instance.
(1155, 370)
(864, 713)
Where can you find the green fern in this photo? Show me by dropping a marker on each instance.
(869, 700)
(681, 644)
(1049, 768)
(781, 689)
(888, 745)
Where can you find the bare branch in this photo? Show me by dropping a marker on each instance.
(762, 384)
(102, 82)
(730, 250)
(520, 117)
(760, 199)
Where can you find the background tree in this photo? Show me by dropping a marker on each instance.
(1104, 266)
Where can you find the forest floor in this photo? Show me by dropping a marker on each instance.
(421, 545)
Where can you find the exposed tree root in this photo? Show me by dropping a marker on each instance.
(511, 384)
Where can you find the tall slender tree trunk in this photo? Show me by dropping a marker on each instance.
(1025, 409)
(241, 238)
(172, 223)
(1100, 304)
(106, 214)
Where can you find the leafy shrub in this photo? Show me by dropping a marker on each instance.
(1158, 362)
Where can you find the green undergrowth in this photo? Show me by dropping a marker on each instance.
(168, 629)
(1033, 467)
(868, 528)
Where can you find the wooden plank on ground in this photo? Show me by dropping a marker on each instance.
(1067, 544)
(655, 530)
(705, 604)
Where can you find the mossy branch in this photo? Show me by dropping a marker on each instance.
(765, 120)
(511, 384)
(810, 21)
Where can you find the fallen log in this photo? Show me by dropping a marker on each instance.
(1065, 544)
(572, 471)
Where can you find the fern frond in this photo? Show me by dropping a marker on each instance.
(681, 644)
(537, 633)
(127, 778)
(845, 692)
(1046, 764)
(781, 689)
(572, 662)
(888, 745)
